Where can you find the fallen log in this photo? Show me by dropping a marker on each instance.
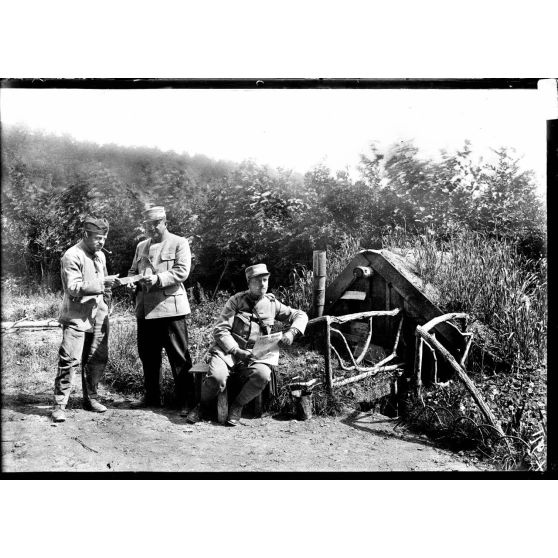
(46, 324)
(39, 324)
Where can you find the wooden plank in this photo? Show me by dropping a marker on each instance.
(353, 295)
(377, 286)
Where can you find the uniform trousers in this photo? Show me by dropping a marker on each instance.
(88, 349)
(172, 335)
(253, 378)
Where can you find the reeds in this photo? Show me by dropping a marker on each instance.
(489, 280)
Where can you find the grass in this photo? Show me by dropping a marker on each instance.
(29, 363)
(507, 294)
(22, 302)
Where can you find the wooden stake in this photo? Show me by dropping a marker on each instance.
(418, 362)
(318, 295)
(327, 357)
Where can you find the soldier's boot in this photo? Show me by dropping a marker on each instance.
(192, 415)
(235, 412)
(94, 405)
(145, 402)
(58, 414)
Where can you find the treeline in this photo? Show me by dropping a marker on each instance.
(238, 214)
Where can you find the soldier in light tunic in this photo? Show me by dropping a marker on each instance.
(245, 317)
(164, 262)
(84, 318)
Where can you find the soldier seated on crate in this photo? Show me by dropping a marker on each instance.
(246, 317)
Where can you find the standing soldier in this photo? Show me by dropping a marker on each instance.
(163, 260)
(246, 316)
(84, 318)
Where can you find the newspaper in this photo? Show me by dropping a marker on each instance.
(266, 349)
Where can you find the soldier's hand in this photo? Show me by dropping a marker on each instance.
(243, 354)
(109, 281)
(148, 281)
(287, 338)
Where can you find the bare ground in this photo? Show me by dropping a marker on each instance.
(126, 439)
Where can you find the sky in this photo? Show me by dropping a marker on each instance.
(295, 129)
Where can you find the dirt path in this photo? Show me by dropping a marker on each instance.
(124, 439)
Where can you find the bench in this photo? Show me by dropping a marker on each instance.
(199, 371)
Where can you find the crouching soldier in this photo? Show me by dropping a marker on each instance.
(245, 317)
(84, 318)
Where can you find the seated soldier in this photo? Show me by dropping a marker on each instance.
(245, 317)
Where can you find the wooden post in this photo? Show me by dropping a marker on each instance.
(327, 357)
(418, 363)
(318, 295)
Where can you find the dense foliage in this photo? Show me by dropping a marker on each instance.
(237, 214)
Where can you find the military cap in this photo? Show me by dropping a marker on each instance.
(94, 225)
(256, 271)
(154, 213)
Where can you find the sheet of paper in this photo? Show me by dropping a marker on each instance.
(266, 349)
(130, 279)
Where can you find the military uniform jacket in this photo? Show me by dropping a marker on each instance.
(239, 326)
(171, 263)
(82, 275)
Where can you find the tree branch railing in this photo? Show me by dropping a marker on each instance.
(425, 337)
(364, 371)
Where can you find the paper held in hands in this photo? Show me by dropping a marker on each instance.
(130, 279)
(266, 349)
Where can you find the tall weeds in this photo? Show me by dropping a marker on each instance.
(489, 280)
